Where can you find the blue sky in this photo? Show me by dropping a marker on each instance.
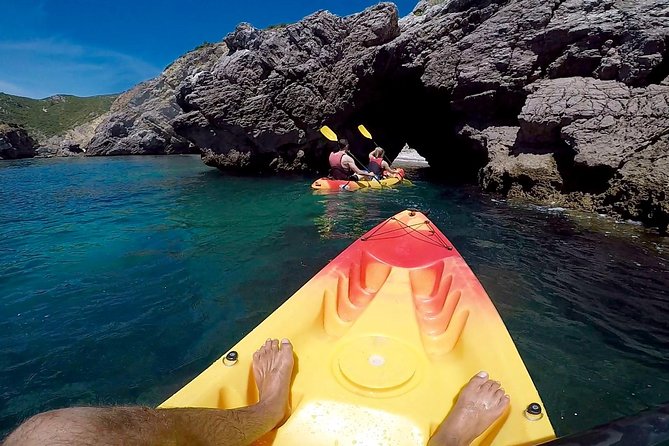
(89, 47)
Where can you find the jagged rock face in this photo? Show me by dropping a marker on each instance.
(561, 100)
(139, 121)
(15, 143)
(640, 189)
(604, 138)
(73, 143)
(604, 123)
(260, 107)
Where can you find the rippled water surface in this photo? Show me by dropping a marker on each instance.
(122, 278)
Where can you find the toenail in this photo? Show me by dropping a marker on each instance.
(482, 374)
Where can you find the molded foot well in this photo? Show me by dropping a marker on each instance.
(436, 308)
(428, 288)
(355, 292)
(332, 323)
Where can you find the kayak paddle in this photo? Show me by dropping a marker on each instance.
(363, 130)
(332, 136)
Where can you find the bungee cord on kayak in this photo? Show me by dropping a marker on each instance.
(392, 325)
(407, 229)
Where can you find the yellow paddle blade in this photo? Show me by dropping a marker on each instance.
(328, 133)
(364, 131)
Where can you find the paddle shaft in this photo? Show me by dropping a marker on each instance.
(384, 155)
(366, 133)
(363, 166)
(332, 136)
(377, 145)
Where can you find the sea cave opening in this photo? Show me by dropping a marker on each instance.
(400, 110)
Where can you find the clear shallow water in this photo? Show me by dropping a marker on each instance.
(123, 278)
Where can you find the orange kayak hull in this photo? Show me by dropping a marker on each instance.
(385, 336)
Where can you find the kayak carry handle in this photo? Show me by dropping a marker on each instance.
(231, 358)
(534, 412)
(412, 212)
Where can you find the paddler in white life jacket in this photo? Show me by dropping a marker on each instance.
(342, 165)
(379, 166)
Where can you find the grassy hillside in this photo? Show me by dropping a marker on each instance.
(54, 115)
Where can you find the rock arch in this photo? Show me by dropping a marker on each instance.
(560, 100)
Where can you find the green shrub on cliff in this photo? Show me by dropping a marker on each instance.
(53, 115)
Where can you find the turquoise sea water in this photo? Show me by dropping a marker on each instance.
(123, 278)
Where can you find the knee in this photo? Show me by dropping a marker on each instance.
(43, 428)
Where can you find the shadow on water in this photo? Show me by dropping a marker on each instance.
(123, 278)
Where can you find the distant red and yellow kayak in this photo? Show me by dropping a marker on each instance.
(385, 337)
(350, 185)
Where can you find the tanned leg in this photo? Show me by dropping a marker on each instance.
(479, 404)
(272, 369)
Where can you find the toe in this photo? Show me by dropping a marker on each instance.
(485, 386)
(494, 386)
(499, 395)
(286, 345)
(275, 345)
(478, 379)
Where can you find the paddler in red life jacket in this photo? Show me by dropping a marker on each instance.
(379, 166)
(342, 166)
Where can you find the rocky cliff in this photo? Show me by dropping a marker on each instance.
(139, 121)
(560, 100)
(260, 107)
(15, 143)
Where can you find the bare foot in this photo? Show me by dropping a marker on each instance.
(479, 404)
(272, 370)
